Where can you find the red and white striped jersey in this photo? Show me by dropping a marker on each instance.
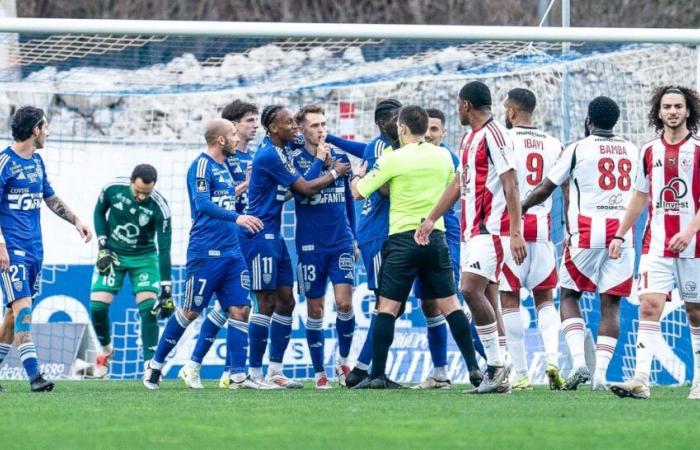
(535, 153)
(599, 169)
(486, 153)
(671, 177)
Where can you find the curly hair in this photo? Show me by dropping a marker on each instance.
(692, 101)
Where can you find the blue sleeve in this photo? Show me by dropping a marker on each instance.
(350, 207)
(199, 184)
(313, 172)
(46, 187)
(355, 148)
(455, 160)
(283, 173)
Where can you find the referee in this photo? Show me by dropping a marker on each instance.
(416, 176)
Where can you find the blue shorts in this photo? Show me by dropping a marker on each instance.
(456, 270)
(372, 257)
(23, 279)
(315, 269)
(269, 262)
(227, 277)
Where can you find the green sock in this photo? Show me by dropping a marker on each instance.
(149, 328)
(100, 321)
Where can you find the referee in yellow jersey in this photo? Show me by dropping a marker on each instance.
(416, 175)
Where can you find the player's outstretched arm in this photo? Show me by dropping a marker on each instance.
(510, 188)
(313, 187)
(636, 205)
(61, 209)
(447, 199)
(354, 148)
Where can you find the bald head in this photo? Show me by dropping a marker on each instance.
(217, 128)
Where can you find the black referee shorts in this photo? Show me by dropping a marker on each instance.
(403, 260)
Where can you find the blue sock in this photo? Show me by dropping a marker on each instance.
(27, 353)
(478, 346)
(237, 345)
(207, 335)
(437, 340)
(258, 331)
(174, 329)
(365, 358)
(315, 340)
(227, 367)
(345, 327)
(4, 350)
(280, 332)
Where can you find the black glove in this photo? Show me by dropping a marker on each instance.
(106, 261)
(164, 306)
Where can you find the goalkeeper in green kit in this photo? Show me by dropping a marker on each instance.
(132, 224)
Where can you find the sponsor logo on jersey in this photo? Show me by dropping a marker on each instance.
(143, 219)
(225, 201)
(346, 261)
(671, 195)
(127, 233)
(119, 206)
(615, 202)
(25, 201)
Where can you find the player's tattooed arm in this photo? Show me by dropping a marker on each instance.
(61, 209)
(539, 194)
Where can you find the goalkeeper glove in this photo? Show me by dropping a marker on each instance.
(106, 261)
(164, 306)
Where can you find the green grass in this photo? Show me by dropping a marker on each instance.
(103, 414)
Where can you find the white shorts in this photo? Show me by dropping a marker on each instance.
(659, 275)
(537, 273)
(590, 270)
(482, 255)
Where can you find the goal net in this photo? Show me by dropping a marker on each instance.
(117, 101)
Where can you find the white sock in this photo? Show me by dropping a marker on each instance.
(226, 374)
(361, 366)
(549, 324)
(439, 373)
(319, 375)
(153, 364)
(4, 350)
(193, 365)
(604, 350)
(574, 333)
(502, 345)
(695, 341)
(515, 340)
(489, 339)
(255, 372)
(647, 334)
(108, 349)
(238, 377)
(275, 368)
(340, 361)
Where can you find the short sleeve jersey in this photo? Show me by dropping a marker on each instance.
(670, 175)
(486, 154)
(535, 153)
(451, 221)
(599, 169)
(373, 222)
(272, 175)
(417, 175)
(23, 186)
(239, 164)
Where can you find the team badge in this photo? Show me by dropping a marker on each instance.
(17, 285)
(198, 299)
(686, 164)
(143, 219)
(267, 278)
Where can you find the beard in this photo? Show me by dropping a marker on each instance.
(586, 130)
(227, 149)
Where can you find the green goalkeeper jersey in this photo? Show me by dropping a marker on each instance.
(134, 228)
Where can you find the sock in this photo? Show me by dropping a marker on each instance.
(382, 337)
(27, 353)
(4, 350)
(99, 312)
(345, 328)
(207, 335)
(237, 345)
(365, 357)
(258, 331)
(149, 328)
(515, 339)
(647, 334)
(439, 373)
(695, 341)
(489, 337)
(549, 324)
(437, 339)
(478, 346)
(502, 345)
(460, 329)
(174, 329)
(280, 332)
(604, 349)
(315, 340)
(574, 333)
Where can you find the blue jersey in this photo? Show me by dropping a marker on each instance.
(452, 230)
(212, 200)
(272, 175)
(23, 184)
(325, 222)
(374, 219)
(239, 164)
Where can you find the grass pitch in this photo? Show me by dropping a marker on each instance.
(111, 414)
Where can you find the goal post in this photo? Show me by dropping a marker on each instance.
(120, 93)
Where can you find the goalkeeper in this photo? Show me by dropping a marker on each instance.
(128, 216)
